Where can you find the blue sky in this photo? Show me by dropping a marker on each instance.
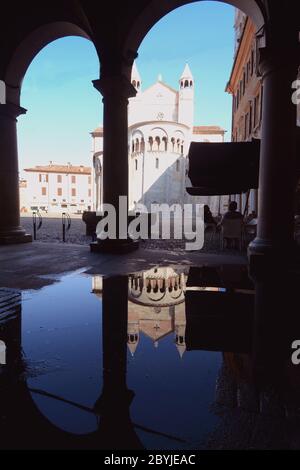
(63, 107)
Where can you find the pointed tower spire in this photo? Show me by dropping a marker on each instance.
(136, 78)
(187, 73)
(181, 348)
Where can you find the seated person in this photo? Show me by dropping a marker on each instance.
(251, 217)
(232, 213)
(208, 217)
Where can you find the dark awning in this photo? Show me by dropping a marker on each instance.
(223, 168)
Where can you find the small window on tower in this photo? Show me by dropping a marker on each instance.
(186, 84)
(156, 163)
(136, 164)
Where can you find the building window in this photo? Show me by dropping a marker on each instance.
(59, 178)
(73, 191)
(136, 164)
(252, 62)
(156, 163)
(44, 191)
(261, 104)
(59, 191)
(43, 178)
(246, 126)
(73, 179)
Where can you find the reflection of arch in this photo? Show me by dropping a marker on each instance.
(30, 47)
(157, 287)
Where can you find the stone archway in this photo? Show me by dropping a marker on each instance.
(29, 48)
(20, 59)
(156, 10)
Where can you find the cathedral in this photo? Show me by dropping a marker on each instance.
(161, 128)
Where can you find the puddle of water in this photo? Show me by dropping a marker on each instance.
(137, 360)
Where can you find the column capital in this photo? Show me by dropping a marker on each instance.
(11, 111)
(116, 86)
(272, 59)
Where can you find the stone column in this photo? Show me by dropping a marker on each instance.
(115, 91)
(277, 181)
(10, 229)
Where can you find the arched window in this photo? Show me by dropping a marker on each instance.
(157, 143)
(134, 83)
(142, 149)
(132, 146)
(136, 164)
(182, 148)
(186, 84)
(150, 143)
(165, 141)
(173, 144)
(138, 85)
(178, 145)
(181, 84)
(137, 145)
(191, 83)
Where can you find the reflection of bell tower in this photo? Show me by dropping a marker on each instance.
(133, 336)
(180, 339)
(179, 327)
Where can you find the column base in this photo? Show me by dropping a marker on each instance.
(15, 236)
(114, 246)
(265, 256)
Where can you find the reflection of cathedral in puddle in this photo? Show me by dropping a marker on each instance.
(156, 307)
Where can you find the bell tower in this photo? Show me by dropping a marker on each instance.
(136, 78)
(186, 98)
